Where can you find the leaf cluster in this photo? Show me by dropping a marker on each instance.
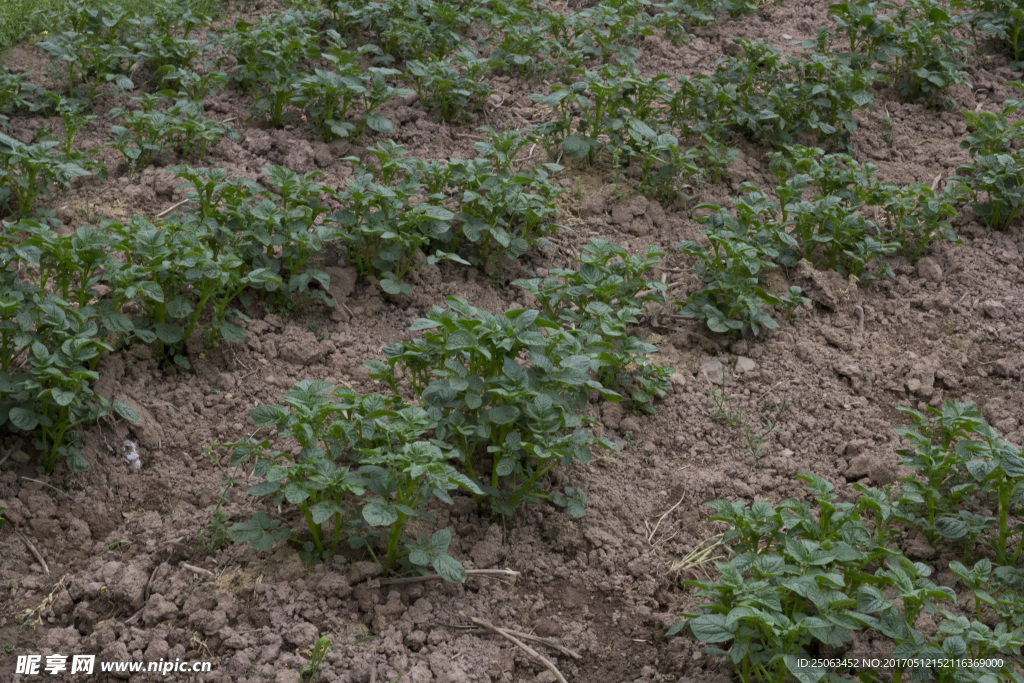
(801, 579)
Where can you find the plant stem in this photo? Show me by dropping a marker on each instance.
(314, 528)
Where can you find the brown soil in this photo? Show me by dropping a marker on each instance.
(603, 585)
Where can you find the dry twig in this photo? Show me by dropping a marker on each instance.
(36, 481)
(554, 644)
(35, 553)
(652, 532)
(197, 570)
(522, 646)
(171, 208)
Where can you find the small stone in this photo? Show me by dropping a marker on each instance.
(913, 385)
(744, 365)
(547, 628)
(303, 350)
(677, 379)
(712, 370)
(323, 157)
(929, 269)
(993, 308)
(630, 423)
(656, 213)
(786, 453)
(416, 640)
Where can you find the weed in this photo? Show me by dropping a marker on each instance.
(320, 649)
(723, 414)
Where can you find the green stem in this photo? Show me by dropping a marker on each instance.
(337, 533)
(314, 528)
(394, 536)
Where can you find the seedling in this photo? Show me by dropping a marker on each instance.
(320, 649)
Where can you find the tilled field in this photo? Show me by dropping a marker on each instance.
(136, 568)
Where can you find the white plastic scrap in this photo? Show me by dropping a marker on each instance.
(131, 454)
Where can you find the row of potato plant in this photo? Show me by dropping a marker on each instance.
(819, 214)
(188, 271)
(488, 403)
(802, 576)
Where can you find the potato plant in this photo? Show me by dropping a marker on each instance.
(600, 301)
(267, 53)
(28, 171)
(1001, 20)
(161, 124)
(515, 420)
(328, 95)
(91, 47)
(777, 100)
(312, 480)
(740, 248)
(993, 178)
(50, 339)
(915, 44)
(453, 87)
(798, 581)
(963, 463)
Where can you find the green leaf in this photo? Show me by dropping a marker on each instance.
(261, 532)
(804, 674)
(378, 513)
(232, 333)
(393, 286)
(379, 123)
(179, 308)
(504, 415)
(115, 322)
(711, 628)
(266, 415)
(23, 419)
(62, 398)
(951, 527)
(146, 336)
(577, 146)
(323, 511)
(506, 466)
(440, 540)
(126, 411)
(449, 568)
(295, 493)
(168, 334)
